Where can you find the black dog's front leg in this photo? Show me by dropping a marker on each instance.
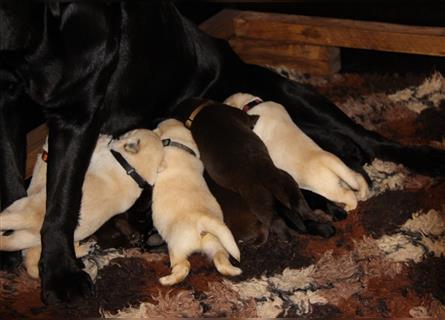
(13, 151)
(70, 150)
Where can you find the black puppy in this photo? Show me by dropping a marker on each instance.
(111, 67)
(236, 159)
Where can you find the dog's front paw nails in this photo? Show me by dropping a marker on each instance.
(68, 286)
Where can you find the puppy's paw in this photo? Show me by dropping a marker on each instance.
(326, 230)
(336, 212)
(229, 270)
(224, 266)
(179, 272)
(363, 192)
(66, 286)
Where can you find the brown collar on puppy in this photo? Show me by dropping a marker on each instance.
(169, 142)
(252, 104)
(192, 116)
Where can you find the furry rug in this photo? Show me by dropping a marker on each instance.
(386, 260)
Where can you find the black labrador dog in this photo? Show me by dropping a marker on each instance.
(111, 67)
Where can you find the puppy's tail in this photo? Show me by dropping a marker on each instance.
(222, 232)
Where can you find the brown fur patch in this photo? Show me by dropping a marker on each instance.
(275, 255)
(429, 277)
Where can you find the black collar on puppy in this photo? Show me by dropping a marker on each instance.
(252, 104)
(142, 183)
(169, 142)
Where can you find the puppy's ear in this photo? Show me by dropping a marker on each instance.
(253, 119)
(162, 166)
(157, 132)
(132, 146)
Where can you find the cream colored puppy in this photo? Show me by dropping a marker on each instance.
(185, 213)
(294, 152)
(107, 191)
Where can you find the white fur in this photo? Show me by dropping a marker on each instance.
(294, 152)
(107, 191)
(185, 212)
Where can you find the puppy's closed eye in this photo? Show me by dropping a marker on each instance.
(132, 146)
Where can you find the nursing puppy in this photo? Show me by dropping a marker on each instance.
(185, 213)
(236, 159)
(247, 228)
(294, 152)
(107, 191)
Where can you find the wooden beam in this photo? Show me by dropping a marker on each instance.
(298, 57)
(283, 49)
(35, 140)
(221, 24)
(341, 33)
(300, 65)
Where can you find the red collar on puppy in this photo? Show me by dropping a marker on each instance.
(252, 104)
(44, 156)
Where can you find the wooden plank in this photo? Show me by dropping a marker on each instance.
(283, 49)
(300, 65)
(221, 24)
(35, 140)
(341, 33)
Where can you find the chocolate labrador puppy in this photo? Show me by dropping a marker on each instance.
(246, 227)
(236, 159)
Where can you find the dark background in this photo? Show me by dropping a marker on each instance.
(422, 13)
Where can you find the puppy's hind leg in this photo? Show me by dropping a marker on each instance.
(180, 269)
(13, 220)
(31, 259)
(23, 213)
(213, 248)
(352, 179)
(19, 240)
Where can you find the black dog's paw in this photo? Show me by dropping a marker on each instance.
(326, 230)
(66, 287)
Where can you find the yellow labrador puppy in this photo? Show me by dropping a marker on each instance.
(185, 213)
(107, 191)
(294, 152)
